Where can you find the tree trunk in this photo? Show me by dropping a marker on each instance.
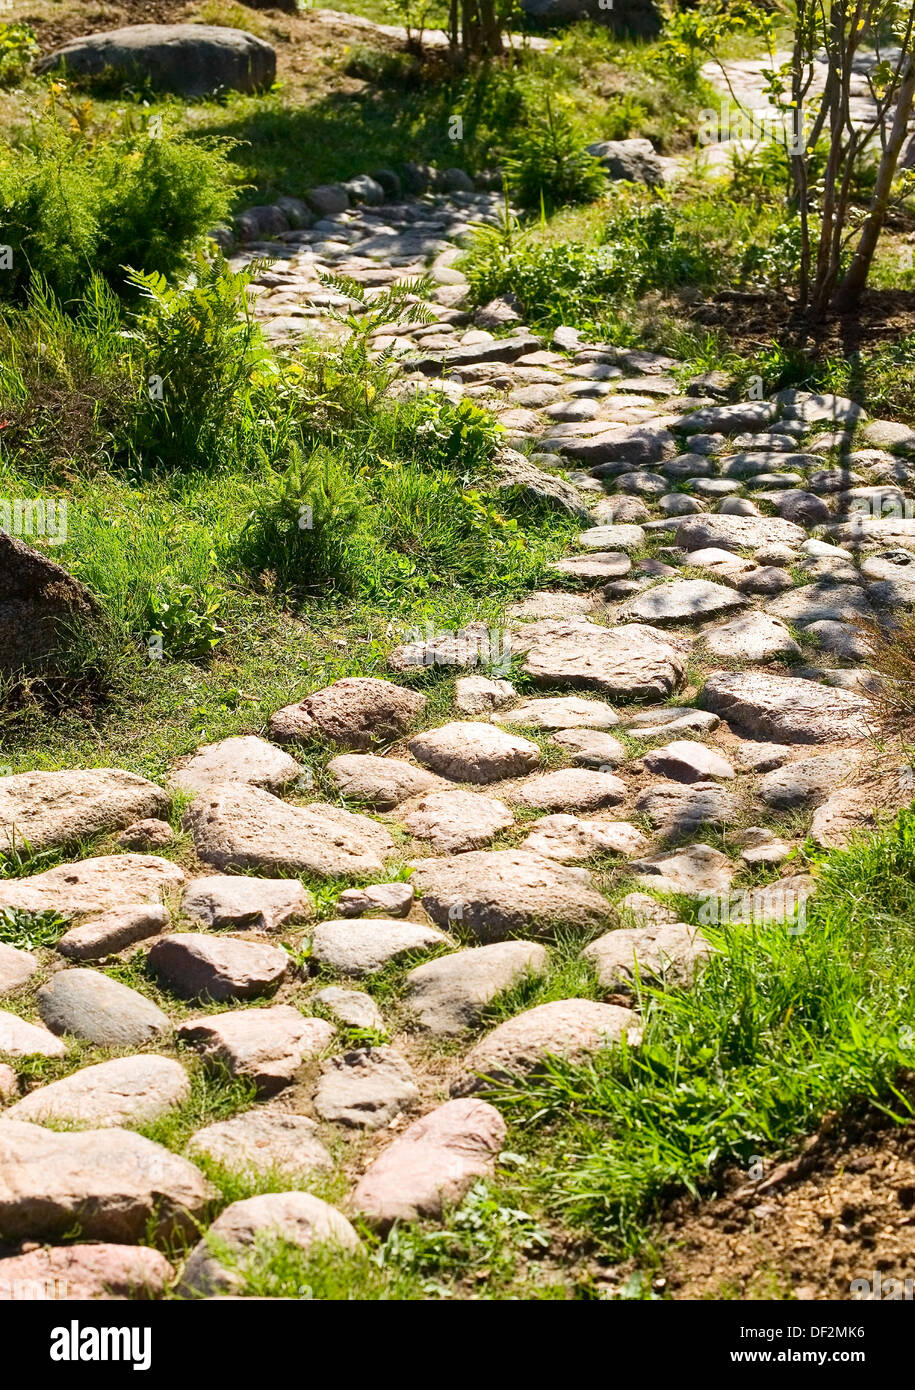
(849, 292)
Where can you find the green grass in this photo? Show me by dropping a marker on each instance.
(486, 1248)
(779, 1030)
(214, 1095)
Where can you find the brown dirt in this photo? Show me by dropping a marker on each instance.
(753, 321)
(843, 1209)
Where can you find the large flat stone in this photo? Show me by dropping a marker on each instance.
(787, 709)
(751, 637)
(266, 1045)
(571, 840)
(264, 1141)
(380, 782)
(350, 1007)
(592, 748)
(730, 419)
(21, 1039)
(93, 885)
(432, 1164)
(361, 947)
(632, 444)
(455, 821)
(193, 59)
(245, 903)
(128, 1090)
(823, 601)
(561, 712)
(474, 752)
(736, 532)
(669, 953)
(448, 995)
(678, 810)
(49, 810)
(197, 966)
(248, 760)
(353, 713)
(111, 1184)
(100, 1010)
(568, 1028)
(682, 601)
(570, 789)
(246, 828)
(16, 968)
(480, 694)
(376, 900)
(113, 931)
(500, 893)
(631, 662)
(695, 869)
(807, 781)
(86, 1271)
(366, 1088)
(469, 646)
(686, 760)
(599, 565)
(612, 538)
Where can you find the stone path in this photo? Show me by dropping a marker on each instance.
(696, 701)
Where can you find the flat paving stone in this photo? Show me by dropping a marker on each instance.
(264, 1141)
(266, 1046)
(568, 1028)
(128, 1090)
(92, 1006)
(497, 894)
(112, 1184)
(432, 1164)
(358, 947)
(366, 1088)
(245, 903)
(197, 966)
(448, 995)
(474, 752)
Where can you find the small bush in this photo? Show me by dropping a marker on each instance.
(345, 384)
(640, 248)
(65, 378)
(305, 529)
(548, 164)
(186, 620)
(18, 49)
(27, 931)
(76, 201)
(201, 353)
(450, 434)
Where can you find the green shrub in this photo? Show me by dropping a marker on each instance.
(640, 248)
(453, 434)
(18, 48)
(548, 164)
(27, 931)
(65, 378)
(76, 201)
(774, 262)
(187, 620)
(344, 384)
(202, 357)
(306, 526)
